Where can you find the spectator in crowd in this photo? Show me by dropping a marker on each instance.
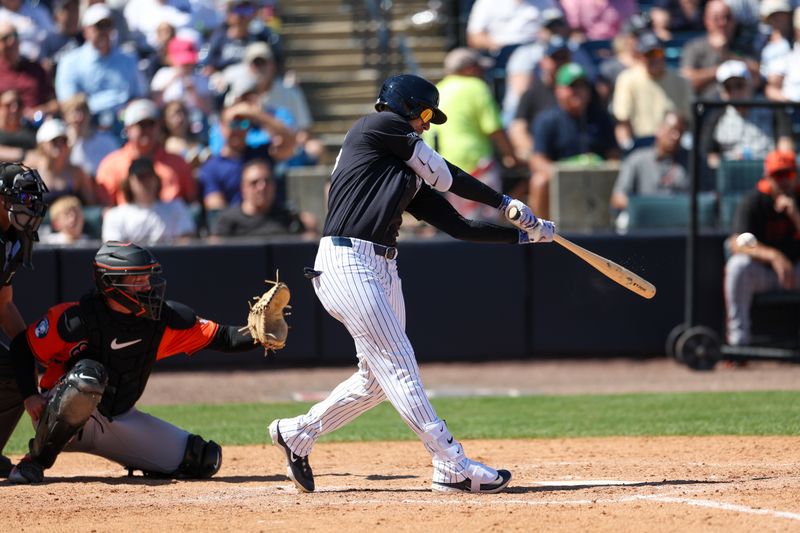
(179, 80)
(88, 144)
(108, 76)
(676, 16)
(51, 159)
(143, 218)
(32, 22)
(276, 94)
(143, 130)
(257, 215)
(521, 66)
(777, 16)
(625, 47)
(571, 130)
(16, 135)
(220, 175)
(770, 212)
(598, 19)
(145, 16)
(66, 222)
(660, 169)
(66, 37)
(497, 24)
(28, 77)
(538, 97)
(783, 74)
(645, 92)
(227, 44)
(742, 132)
(701, 56)
(474, 129)
(182, 136)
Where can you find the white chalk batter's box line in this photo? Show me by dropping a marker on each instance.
(496, 501)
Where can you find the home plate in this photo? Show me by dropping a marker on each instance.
(585, 483)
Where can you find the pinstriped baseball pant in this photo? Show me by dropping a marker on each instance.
(364, 292)
(744, 277)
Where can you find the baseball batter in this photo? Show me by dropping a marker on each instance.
(98, 354)
(384, 169)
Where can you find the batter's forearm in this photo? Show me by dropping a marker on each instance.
(470, 188)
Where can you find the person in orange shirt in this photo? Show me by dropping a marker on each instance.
(98, 354)
(141, 119)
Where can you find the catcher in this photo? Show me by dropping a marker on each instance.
(98, 354)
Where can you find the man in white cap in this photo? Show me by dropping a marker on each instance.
(777, 14)
(142, 124)
(783, 74)
(109, 77)
(742, 132)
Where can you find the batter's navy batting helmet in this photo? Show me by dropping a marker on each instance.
(411, 97)
(114, 263)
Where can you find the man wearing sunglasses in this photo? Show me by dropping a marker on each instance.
(770, 213)
(383, 170)
(21, 192)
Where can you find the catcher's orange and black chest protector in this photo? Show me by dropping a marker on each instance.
(125, 345)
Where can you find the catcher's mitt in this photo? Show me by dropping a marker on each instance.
(265, 321)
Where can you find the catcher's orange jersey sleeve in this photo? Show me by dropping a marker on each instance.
(187, 341)
(47, 345)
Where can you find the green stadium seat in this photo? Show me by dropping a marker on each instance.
(727, 209)
(669, 212)
(93, 225)
(738, 176)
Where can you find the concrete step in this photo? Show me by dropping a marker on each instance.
(338, 45)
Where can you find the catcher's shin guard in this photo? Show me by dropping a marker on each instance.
(202, 459)
(74, 399)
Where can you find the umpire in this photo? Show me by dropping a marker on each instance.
(21, 191)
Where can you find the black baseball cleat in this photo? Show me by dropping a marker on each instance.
(26, 472)
(297, 468)
(498, 485)
(5, 466)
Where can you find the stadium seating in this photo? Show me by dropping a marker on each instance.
(734, 179)
(669, 212)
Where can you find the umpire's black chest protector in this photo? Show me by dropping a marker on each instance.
(126, 346)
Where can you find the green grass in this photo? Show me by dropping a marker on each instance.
(740, 413)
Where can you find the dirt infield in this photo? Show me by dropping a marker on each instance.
(600, 484)
(629, 484)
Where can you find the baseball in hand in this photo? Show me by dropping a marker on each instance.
(746, 240)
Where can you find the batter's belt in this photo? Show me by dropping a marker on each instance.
(389, 252)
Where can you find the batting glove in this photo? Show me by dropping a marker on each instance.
(525, 219)
(543, 231)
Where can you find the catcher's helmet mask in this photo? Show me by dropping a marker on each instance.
(114, 263)
(22, 190)
(411, 97)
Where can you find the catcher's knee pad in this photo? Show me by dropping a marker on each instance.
(73, 400)
(201, 459)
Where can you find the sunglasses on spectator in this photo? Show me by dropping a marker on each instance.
(59, 141)
(239, 124)
(10, 37)
(104, 25)
(735, 85)
(147, 123)
(259, 181)
(656, 53)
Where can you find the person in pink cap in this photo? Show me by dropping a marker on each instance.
(179, 80)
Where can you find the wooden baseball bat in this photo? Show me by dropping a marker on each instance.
(612, 270)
